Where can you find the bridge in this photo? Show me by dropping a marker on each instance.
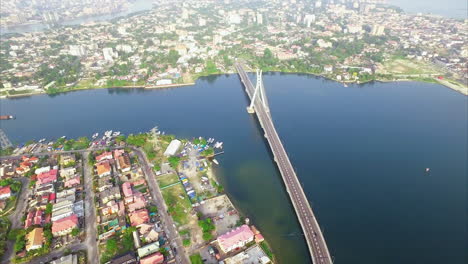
(313, 234)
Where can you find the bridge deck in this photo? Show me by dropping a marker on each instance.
(317, 246)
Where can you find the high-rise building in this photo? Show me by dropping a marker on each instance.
(378, 30)
(308, 19)
(259, 18)
(77, 50)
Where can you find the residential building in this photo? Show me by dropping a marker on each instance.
(65, 225)
(156, 258)
(148, 249)
(103, 169)
(139, 217)
(35, 239)
(5, 192)
(68, 259)
(47, 177)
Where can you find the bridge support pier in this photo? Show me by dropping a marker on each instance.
(250, 110)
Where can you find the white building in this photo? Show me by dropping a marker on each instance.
(259, 18)
(77, 50)
(124, 48)
(308, 19)
(109, 54)
(234, 18)
(378, 30)
(172, 148)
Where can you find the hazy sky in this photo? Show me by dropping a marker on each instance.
(450, 8)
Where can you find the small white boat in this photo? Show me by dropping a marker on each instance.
(63, 137)
(215, 162)
(428, 169)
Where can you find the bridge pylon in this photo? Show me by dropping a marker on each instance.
(259, 94)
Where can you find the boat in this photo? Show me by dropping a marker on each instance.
(345, 85)
(215, 162)
(428, 169)
(116, 133)
(63, 137)
(6, 117)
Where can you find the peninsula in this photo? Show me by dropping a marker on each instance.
(148, 197)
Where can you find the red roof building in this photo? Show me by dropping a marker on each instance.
(72, 182)
(235, 238)
(65, 225)
(127, 189)
(38, 217)
(104, 156)
(156, 258)
(5, 192)
(139, 217)
(47, 177)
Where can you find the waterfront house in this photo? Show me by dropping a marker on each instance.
(35, 239)
(104, 156)
(235, 238)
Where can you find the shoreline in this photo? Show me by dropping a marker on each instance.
(447, 83)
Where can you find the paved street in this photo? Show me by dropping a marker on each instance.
(167, 222)
(312, 232)
(90, 212)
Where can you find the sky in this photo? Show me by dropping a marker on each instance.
(448, 8)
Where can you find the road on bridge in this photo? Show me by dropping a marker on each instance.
(312, 232)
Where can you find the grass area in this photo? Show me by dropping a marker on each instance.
(179, 208)
(168, 179)
(406, 66)
(4, 227)
(196, 259)
(266, 248)
(15, 92)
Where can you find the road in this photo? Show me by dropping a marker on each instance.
(173, 235)
(15, 217)
(316, 242)
(57, 152)
(54, 254)
(90, 212)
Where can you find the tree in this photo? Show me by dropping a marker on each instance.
(111, 246)
(48, 209)
(174, 161)
(75, 231)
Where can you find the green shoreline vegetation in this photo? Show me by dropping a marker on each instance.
(455, 85)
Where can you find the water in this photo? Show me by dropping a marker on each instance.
(448, 8)
(137, 6)
(360, 152)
